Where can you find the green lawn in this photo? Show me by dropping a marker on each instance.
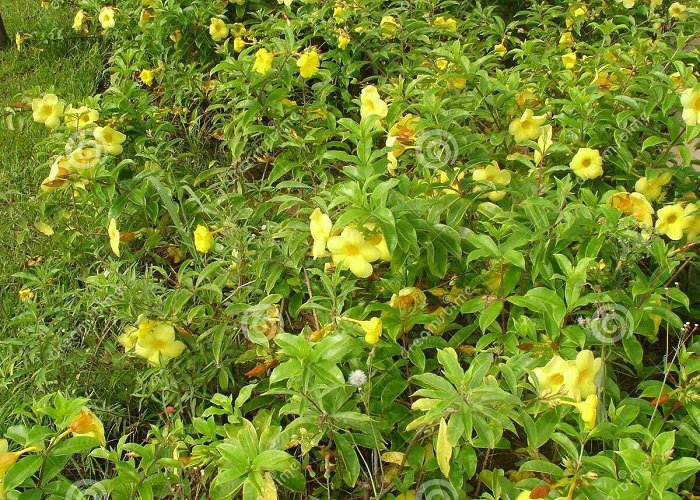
(67, 68)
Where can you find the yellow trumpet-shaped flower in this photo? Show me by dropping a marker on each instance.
(567, 39)
(147, 76)
(218, 29)
(588, 409)
(343, 40)
(203, 239)
(528, 127)
(672, 221)
(692, 225)
(408, 299)
(238, 44)
(557, 377)
(354, 251)
(59, 175)
(389, 26)
(159, 345)
(26, 294)
(628, 4)
(569, 60)
(308, 64)
(263, 61)
(376, 238)
(84, 160)
(635, 205)
(8, 459)
(500, 49)
(651, 189)
(690, 99)
(401, 136)
(320, 227)
(114, 236)
(80, 21)
(371, 103)
(80, 118)
(587, 366)
(147, 15)
(587, 163)
(47, 110)
(492, 173)
(445, 23)
(676, 10)
(110, 139)
(128, 338)
(106, 17)
(86, 423)
(372, 328)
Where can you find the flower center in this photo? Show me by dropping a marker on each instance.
(671, 219)
(557, 380)
(586, 163)
(352, 250)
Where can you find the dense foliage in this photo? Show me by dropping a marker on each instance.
(363, 249)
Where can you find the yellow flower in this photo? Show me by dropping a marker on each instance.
(441, 177)
(500, 49)
(343, 40)
(159, 345)
(569, 60)
(286, 2)
(372, 329)
(128, 338)
(628, 4)
(45, 4)
(408, 299)
(84, 159)
(524, 495)
(587, 367)
(263, 61)
(676, 9)
(692, 225)
(308, 64)
(579, 10)
(651, 189)
(238, 44)
(567, 39)
(671, 221)
(356, 253)
(114, 236)
(376, 238)
(588, 410)
(47, 110)
(146, 76)
(81, 117)
(58, 175)
(7, 460)
(218, 29)
(690, 99)
(86, 423)
(527, 127)
(401, 136)
(492, 173)
(557, 377)
(80, 21)
(110, 139)
(338, 12)
(106, 17)
(389, 26)
(26, 294)
(634, 204)
(203, 239)
(445, 23)
(371, 103)
(587, 163)
(320, 227)
(147, 15)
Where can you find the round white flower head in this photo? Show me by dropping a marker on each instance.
(357, 378)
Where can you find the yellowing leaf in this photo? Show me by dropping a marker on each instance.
(393, 457)
(44, 228)
(269, 488)
(444, 449)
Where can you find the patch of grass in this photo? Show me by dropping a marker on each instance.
(69, 68)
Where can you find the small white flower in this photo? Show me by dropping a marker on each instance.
(357, 378)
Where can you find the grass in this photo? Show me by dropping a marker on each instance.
(69, 68)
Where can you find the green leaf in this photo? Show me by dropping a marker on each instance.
(22, 470)
(350, 470)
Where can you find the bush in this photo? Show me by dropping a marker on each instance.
(370, 249)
